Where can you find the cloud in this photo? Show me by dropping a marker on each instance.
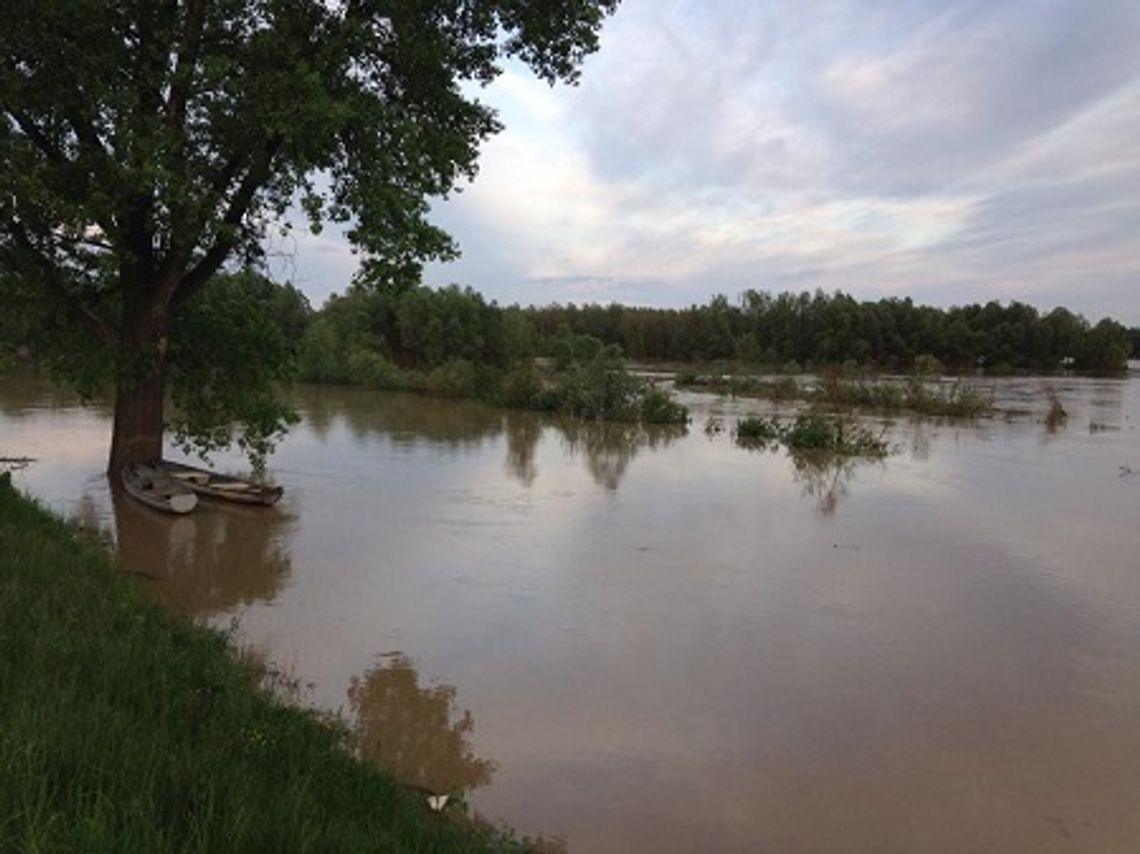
(956, 153)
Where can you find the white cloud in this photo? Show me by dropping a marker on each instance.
(983, 152)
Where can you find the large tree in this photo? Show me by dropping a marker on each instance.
(146, 144)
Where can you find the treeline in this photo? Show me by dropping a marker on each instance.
(365, 333)
(807, 330)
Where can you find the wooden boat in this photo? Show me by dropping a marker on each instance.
(157, 489)
(223, 487)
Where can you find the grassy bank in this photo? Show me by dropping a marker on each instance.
(125, 729)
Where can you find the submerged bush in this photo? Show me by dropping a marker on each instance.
(757, 429)
(595, 384)
(1056, 415)
(919, 395)
(842, 435)
(601, 389)
(813, 431)
(522, 387)
(785, 388)
(686, 377)
(453, 379)
(927, 365)
(659, 407)
(367, 367)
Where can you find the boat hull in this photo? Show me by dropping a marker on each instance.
(220, 487)
(155, 488)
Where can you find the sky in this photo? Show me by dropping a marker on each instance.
(952, 152)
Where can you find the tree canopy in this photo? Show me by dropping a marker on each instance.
(146, 144)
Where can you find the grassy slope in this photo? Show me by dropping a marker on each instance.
(125, 729)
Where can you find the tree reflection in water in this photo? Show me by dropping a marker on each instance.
(208, 561)
(610, 447)
(824, 476)
(414, 732)
(408, 419)
(524, 429)
(403, 418)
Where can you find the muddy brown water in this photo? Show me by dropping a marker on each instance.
(644, 641)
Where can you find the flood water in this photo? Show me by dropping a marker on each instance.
(635, 641)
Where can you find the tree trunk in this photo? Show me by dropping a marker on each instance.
(138, 429)
(139, 398)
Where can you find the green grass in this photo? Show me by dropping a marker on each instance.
(126, 729)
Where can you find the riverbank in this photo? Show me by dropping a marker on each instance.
(124, 728)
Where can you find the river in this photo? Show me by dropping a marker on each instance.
(649, 641)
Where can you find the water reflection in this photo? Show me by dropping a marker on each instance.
(523, 432)
(415, 732)
(918, 442)
(609, 448)
(209, 561)
(824, 477)
(26, 393)
(721, 660)
(405, 418)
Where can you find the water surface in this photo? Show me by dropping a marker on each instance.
(645, 641)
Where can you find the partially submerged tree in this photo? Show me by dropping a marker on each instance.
(147, 143)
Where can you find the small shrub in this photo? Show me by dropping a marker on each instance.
(962, 401)
(521, 387)
(785, 388)
(686, 377)
(757, 430)
(452, 379)
(367, 367)
(658, 407)
(549, 399)
(813, 431)
(1057, 414)
(927, 365)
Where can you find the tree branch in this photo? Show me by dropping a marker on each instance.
(87, 136)
(187, 60)
(48, 148)
(236, 210)
(56, 286)
(32, 131)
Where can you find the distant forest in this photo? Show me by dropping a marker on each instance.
(420, 328)
(400, 337)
